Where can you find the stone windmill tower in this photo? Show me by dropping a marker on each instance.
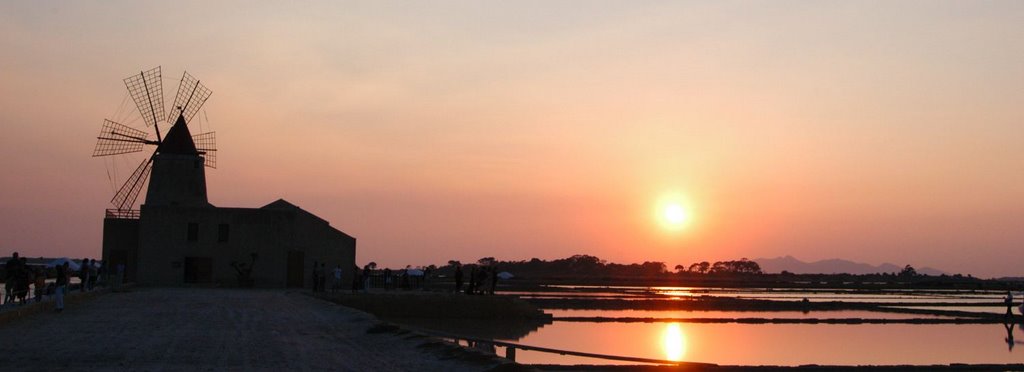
(175, 168)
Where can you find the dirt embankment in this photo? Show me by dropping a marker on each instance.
(439, 305)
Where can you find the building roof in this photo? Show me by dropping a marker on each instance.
(284, 205)
(281, 204)
(178, 140)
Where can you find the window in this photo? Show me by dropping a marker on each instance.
(223, 231)
(193, 231)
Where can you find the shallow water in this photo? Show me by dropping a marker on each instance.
(789, 294)
(663, 314)
(776, 344)
(975, 309)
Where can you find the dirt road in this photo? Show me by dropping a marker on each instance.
(216, 329)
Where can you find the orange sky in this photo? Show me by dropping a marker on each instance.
(872, 131)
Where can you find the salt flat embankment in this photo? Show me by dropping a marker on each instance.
(215, 329)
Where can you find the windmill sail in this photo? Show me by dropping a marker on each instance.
(146, 89)
(125, 197)
(116, 138)
(190, 97)
(206, 144)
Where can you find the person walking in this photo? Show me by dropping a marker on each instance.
(24, 280)
(323, 277)
(62, 284)
(367, 272)
(1008, 300)
(40, 284)
(94, 274)
(472, 281)
(83, 274)
(11, 270)
(494, 279)
(316, 279)
(337, 278)
(357, 281)
(458, 278)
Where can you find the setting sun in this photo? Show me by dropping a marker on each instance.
(673, 214)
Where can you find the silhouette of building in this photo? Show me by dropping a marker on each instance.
(177, 237)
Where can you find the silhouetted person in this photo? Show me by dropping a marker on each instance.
(40, 284)
(356, 279)
(83, 274)
(62, 284)
(1009, 306)
(323, 277)
(458, 278)
(337, 279)
(119, 277)
(24, 276)
(481, 278)
(11, 277)
(93, 274)
(366, 277)
(387, 279)
(494, 278)
(472, 281)
(316, 279)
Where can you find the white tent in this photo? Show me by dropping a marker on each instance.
(505, 275)
(60, 261)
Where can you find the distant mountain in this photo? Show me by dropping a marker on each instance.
(833, 266)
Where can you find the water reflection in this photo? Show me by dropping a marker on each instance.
(776, 344)
(674, 342)
(1009, 335)
(682, 314)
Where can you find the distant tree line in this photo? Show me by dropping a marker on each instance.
(583, 265)
(587, 268)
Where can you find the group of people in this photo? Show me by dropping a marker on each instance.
(482, 281)
(320, 277)
(23, 282)
(18, 277)
(368, 277)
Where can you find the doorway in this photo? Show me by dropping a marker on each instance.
(296, 262)
(198, 269)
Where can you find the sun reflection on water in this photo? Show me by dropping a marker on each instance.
(674, 342)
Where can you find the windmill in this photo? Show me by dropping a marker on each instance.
(146, 89)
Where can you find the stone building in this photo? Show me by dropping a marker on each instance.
(178, 238)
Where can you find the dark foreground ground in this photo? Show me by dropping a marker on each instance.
(224, 329)
(219, 329)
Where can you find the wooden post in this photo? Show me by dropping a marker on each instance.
(510, 353)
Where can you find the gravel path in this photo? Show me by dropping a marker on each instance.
(216, 329)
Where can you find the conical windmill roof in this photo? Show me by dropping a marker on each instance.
(178, 140)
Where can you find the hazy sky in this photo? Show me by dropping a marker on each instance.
(885, 131)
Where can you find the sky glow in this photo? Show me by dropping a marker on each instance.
(870, 131)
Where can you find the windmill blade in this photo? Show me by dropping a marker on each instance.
(147, 89)
(116, 138)
(125, 197)
(206, 144)
(190, 97)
